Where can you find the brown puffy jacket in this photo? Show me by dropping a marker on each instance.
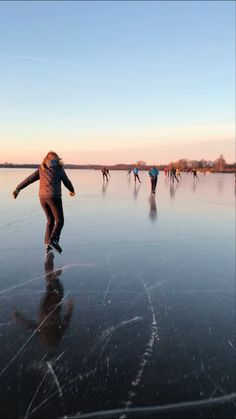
(50, 181)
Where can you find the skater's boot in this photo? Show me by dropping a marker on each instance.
(55, 245)
(48, 248)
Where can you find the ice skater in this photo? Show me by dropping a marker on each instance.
(167, 172)
(50, 175)
(153, 173)
(136, 176)
(104, 174)
(51, 323)
(178, 173)
(173, 176)
(194, 171)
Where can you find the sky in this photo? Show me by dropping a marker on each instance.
(117, 81)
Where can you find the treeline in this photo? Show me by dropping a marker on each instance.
(81, 166)
(218, 165)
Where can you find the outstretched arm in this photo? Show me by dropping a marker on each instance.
(30, 179)
(67, 182)
(20, 318)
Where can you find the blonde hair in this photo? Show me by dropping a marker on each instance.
(49, 157)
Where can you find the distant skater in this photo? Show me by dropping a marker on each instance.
(136, 176)
(104, 173)
(194, 171)
(50, 175)
(173, 176)
(178, 173)
(167, 172)
(153, 173)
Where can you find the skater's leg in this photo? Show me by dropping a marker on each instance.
(50, 219)
(155, 184)
(176, 179)
(153, 181)
(57, 210)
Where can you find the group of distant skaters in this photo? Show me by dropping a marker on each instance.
(51, 174)
(153, 173)
(175, 174)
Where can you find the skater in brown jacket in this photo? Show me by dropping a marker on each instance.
(50, 175)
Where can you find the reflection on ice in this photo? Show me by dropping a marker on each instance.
(136, 191)
(153, 208)
(51, 324)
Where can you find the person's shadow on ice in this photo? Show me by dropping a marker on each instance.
(51, 323)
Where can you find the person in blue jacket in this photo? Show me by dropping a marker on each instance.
(153, 173)
(136, 176)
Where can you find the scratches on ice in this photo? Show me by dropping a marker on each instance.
(148, 350)
(107, 334)
(55, 377)
(42, 381)
(63, 268)
(35, 394)
(108, 286)
(230, 344)
(156, 410)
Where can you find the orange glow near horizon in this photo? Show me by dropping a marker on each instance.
(158, 154)
(127, 146)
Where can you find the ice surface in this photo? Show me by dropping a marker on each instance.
(138, 311)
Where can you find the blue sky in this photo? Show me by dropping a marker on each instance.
(112, 82)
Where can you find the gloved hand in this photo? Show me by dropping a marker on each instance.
(16, 193)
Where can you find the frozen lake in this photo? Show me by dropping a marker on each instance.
(138, 311)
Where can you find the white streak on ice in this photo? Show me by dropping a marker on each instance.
(55, 377)
(108, 286)
(230, 344)
(149, 348)
(41, 383)
(167, 408)
(63, 268)
(108, 334)
(35, 394)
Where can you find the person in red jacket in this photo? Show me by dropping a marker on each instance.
(50, 175)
